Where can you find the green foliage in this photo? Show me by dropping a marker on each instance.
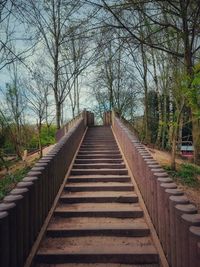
(8, 182)
(191, 89)
(187, 174)
(48, 135)
(30, 138)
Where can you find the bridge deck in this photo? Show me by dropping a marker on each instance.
(98, 220)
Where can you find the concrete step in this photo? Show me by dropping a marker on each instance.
(99, 166)
(98, 186)
(98, 250)
(99, 171)
(98, 197)
(99, 178)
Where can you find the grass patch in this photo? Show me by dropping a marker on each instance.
(186, 174)
(8, 182)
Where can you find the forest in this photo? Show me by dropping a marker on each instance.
(139, 58)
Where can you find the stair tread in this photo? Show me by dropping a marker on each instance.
(88, 166)
(109, 151)
(99, 176)
(98, 226)
(83, 221)
(98, 164)
(105, 151)
(98, 207)
(99, 156)
(99, 184)
(98, 245)
(100, 159)
(92, 170)
(98, 194)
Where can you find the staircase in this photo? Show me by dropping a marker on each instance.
(98, 220)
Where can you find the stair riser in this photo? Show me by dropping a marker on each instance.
(99, 156)
(103, 258)
(100, 179)
(98, 188)
(96, 166)
(99, 141)
(99, 144)
(92, 161)
(107, 147)
(109, 152)
(98, 232)
(99, 200)
(110, 214)
(99, 171)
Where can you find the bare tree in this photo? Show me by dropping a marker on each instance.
(14, 106)
(51, 18)
(36, 94)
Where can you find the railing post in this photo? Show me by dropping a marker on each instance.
(107, 118)
(84, 115)
(4, 240)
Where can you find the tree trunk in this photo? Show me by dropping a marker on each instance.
(173, 144)
(189, 69)
(159, 131)
(196, 138)
(58, 115)
(146, 115)
(164, 120)
(39, 126)
(173, 149)
(56, 75)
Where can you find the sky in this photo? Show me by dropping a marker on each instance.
(20, 35)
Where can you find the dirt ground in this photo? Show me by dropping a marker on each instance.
(21, 164)
(164, 159)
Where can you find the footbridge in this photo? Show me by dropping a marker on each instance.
(98, 199)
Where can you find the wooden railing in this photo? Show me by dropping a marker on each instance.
(87, 116)
(24, 210)
(175, 219)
